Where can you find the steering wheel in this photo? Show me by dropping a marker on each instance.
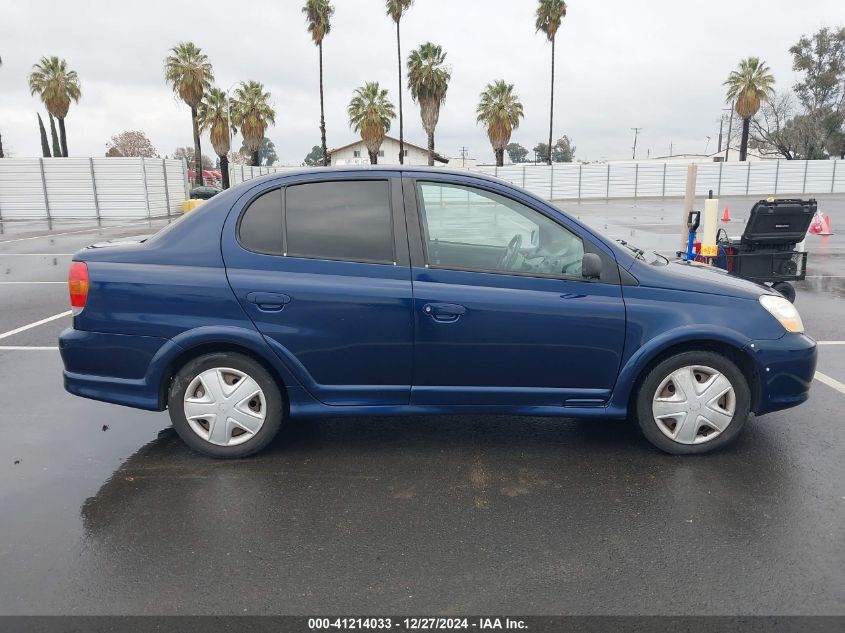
(511, 254)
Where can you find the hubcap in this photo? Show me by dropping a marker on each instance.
(694, 404)
(225, 406)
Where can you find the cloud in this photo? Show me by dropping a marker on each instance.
(658, 65)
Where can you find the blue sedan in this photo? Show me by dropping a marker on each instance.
(395, 291)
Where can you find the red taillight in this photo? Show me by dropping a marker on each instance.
(77, 283)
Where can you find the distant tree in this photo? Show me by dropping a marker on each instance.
(541, 150)
(213, 115)
(748, 86)
(131, 143)
(563, 150)
(190, 74)
(57, 148)
(550, 14)
(57, 86)
(370, 113)
(499, 110)
(241, 157)
(318, 16)
(188, 154)
(267, 155)
(314, 157)
(252, 114)
(45, 146)
(516, 152)
(428, 81)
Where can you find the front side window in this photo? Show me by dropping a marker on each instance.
(471, 229)
(345, 220)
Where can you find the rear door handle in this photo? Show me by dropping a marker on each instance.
(268, 301)
(444, 312)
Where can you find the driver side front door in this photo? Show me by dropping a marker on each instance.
(502, 314)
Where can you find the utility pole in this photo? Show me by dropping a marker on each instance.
(464, 152)
(636, 133)
(721, 124)
(670, 148)
(730, 125)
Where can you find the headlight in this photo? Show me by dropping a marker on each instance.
(783, 311)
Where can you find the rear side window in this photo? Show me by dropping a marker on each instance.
(346, 220)
(261, 224)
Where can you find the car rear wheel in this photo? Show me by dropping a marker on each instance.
(225, 405)
(693, 402)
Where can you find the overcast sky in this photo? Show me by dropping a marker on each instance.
(657, 64)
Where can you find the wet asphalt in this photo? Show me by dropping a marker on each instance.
(104, 511)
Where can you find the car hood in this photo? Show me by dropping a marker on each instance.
(696, 277)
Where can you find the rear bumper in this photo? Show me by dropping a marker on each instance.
(116, 368)
(786, 367)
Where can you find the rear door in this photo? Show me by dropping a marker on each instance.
(503, 314)
(321, 267)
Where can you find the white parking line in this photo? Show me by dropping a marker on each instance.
(830, 342)
(15, 283)
(830, 382)
(88, 230)
(27, 348)
(35, 254)
(29, 326)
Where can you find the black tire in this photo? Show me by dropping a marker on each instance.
(648, 388)
(274, 413)
(786, 289)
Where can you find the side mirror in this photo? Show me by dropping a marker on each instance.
(591, 266)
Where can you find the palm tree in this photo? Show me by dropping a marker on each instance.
(187, 69)
(500, 111)
(213, 114)
(370, 114)
(318, 14)
(252, 113)
(550, 14)
(396, 9)
(749, 85)
(57, 86)
(428, 81)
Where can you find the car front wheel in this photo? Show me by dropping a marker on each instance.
(225, 405)
(693, 402)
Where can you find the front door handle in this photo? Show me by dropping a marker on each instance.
(268, 301)
(444, 312)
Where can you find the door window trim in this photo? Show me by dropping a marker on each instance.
(400, 254)
(588, 246)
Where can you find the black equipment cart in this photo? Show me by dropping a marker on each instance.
(766, 251)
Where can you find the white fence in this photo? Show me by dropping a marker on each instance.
(644, 179)
(90, 188)
(649, 179)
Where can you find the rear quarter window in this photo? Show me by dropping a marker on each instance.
(260, 228)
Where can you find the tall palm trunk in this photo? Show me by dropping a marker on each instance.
(57, 147)
(373, 157)
(500, 157)
(551, 106)
(224, 170)
(322, 112)
(431, 148)
(197, 149)
(63, 136)
(743, 146)
(256, 158)
(399, 60)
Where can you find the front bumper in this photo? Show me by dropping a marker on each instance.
(785, 367)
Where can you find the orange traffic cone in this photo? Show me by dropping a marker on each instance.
(726, 217)
(826, 226)
(817, 225)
